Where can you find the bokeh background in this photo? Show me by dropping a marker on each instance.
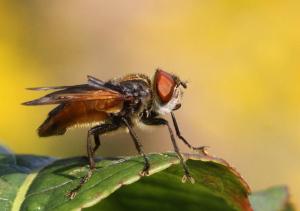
(242, 59)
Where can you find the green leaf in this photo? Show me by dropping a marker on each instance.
(14, 170)
(217, 188)
(25, 186)
(272, 199)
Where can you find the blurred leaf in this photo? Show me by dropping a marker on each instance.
(14, 170)
(272, 199)
(217, 187)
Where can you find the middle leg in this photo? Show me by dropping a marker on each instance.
(138, 146)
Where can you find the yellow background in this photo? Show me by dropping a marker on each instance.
(242, 59)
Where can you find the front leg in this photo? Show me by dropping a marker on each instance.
(199, 149)
(160, 121)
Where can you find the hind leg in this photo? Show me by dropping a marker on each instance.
(97, 143)
(95, 132)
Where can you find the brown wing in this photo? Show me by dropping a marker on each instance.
(79, 105)
(46, 88)
(76, 93)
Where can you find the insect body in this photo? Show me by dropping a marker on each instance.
(115, 104)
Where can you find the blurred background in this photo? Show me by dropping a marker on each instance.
(242, 59)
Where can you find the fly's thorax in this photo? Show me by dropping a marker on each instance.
(138, 88)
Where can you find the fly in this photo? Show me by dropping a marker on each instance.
(110, 105)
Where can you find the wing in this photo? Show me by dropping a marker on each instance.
(78, 93)
(46, 88)
(92, 82)
(95, 82)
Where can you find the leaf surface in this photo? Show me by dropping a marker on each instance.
(40, 183)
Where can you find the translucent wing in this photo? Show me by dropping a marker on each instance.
(92, 82)
(95, 82)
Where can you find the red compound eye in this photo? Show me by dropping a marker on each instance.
(165, 85)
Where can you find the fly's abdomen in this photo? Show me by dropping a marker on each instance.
(77, 114)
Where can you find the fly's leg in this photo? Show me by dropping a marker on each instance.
(160, 121)
(199, 149)
(95, 132)
(97, 143)
(92, 164)
(139, 147)
(89, 149)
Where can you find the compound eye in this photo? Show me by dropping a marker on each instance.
(165, 85)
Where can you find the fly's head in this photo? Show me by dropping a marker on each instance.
(167, 89)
